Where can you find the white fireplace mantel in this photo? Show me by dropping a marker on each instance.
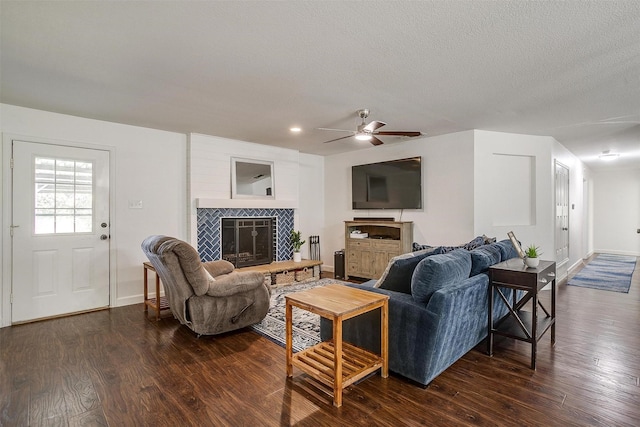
(246, 204)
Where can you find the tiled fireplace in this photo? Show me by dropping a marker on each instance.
(210, 230)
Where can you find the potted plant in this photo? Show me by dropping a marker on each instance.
(296, 242)
(531, 256)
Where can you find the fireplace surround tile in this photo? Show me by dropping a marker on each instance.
(209, 230)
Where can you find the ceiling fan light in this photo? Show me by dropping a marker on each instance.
(363, 137)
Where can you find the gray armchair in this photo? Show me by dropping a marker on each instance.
(208, 297)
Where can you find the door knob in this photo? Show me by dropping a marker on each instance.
(104, 237)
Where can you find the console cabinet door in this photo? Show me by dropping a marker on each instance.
(379, 264)
(359, 261)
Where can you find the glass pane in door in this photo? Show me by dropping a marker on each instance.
(63, 196)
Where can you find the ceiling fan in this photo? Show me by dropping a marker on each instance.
(368, 132)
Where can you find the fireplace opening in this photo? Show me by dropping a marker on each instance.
(247, 241)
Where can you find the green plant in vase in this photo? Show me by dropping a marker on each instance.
(531, 256)
(297, 242)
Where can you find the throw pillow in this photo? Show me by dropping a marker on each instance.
(475, 243)
(488, 240)
(507, 251)
(397, 275)
(436, 272)
(418, 247)
(484, 257)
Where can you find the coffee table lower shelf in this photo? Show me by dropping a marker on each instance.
(318, 361)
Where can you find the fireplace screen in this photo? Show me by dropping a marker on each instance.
(247, 241)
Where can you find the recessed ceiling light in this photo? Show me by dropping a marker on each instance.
(608, 155)
(295, 129)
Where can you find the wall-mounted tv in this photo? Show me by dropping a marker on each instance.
(395, 184)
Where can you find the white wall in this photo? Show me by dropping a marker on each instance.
(447, 174)
(210, 166)
(495, 189)
(311, 201)
(149, 165)
(298, 180)
(492, 183)
(617, 212)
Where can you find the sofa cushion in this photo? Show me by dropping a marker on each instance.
(192, 268)
(437, 271)
(507, 251)
(397, 275)
(484, 257)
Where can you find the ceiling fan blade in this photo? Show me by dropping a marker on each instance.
(399, 133)
(376, 141)
(338, 139)
(373, 126)
(337, 130)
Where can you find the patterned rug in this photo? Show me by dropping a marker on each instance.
(606, 272)
(306, 326)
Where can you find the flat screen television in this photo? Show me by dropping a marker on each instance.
(394, 184)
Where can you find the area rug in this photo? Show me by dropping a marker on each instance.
(606, 272)
(306, 326)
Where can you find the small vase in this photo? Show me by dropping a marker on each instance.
(532, 262)
(297, 257)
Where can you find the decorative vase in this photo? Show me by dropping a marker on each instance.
(297, 257)
(532, 262)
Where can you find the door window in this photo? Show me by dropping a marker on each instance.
(63, 196)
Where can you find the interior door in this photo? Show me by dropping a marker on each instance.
(562, 214)
(60, 230)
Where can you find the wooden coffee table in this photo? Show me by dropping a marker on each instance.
(335, 363)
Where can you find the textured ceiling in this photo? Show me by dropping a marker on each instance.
(250, 70)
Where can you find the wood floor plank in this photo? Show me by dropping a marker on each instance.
(14, 408)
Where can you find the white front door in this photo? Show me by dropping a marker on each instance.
(60, 229)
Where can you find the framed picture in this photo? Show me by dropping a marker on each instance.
(516, 244)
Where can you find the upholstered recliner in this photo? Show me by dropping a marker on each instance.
(208, 297)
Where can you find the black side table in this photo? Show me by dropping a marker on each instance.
(519, 324)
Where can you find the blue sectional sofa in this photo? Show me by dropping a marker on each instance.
(437, 308)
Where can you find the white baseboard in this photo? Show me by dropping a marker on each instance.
(134, 299)
(576, 264)
(616, 252)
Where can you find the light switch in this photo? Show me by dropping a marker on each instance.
(135, 204)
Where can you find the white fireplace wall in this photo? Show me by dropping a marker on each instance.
(298, 179)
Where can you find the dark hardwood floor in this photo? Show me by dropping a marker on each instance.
(118, 368)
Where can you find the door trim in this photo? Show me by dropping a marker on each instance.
(557, 163)
(7, 200)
